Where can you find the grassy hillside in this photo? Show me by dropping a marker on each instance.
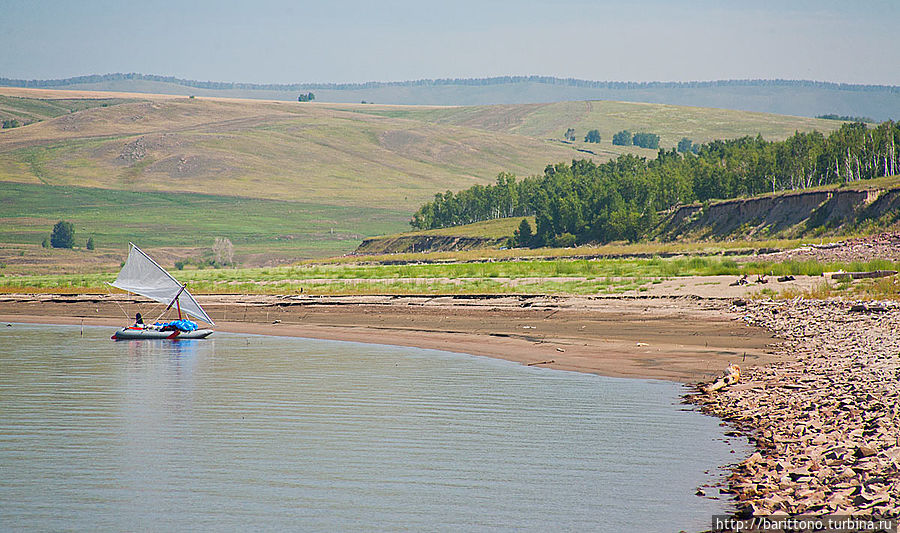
(671, 123)
(28, 110)
(296, 152)
(788, 97)
(345, 155)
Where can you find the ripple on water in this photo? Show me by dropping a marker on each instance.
(277, 432)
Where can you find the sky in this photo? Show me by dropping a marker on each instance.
(282, 41)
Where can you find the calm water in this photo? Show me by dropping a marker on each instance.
(271, 433)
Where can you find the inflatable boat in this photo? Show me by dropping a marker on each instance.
(142, 275)
(150, 332)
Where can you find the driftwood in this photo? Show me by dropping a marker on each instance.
(863, 275)
(541, 363)
(731, 376)
(741, 281)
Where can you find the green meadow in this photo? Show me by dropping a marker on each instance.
(180, 220)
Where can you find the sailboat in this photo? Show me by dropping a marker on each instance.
(143, 276)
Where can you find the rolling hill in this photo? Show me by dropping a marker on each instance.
(788, 97)
(179, 172)
(274, 150)
(670, 122)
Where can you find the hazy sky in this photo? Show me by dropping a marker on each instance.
(281, 41)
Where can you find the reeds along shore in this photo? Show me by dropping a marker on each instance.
(826, 422)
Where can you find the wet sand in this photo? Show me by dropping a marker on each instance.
(679, 339)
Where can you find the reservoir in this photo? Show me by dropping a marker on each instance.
(255, 432)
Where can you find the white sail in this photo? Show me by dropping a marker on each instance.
(142, 275)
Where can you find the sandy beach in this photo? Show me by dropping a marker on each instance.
(674, 338)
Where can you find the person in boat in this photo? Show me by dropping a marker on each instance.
(138, 320)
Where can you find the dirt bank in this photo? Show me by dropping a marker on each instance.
(679, 339)
(784, 215)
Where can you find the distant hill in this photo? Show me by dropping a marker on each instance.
(787, 97)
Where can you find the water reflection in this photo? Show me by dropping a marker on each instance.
(276, 433)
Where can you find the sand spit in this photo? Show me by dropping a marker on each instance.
(681, 339)
(826, 418)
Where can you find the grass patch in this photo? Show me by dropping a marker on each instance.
(557, 276)
(865, 289)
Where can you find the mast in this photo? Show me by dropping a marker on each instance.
(176, 302)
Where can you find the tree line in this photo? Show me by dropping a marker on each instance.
(497, 80)
(619, 200)
(847, 118)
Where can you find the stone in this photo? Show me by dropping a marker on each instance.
(865, 450)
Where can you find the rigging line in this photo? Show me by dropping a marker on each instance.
(153, 309)
(166, 310)
(109, 292)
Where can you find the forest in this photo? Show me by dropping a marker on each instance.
(586, 202)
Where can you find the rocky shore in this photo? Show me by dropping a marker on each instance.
(884, 246)
(825, 421)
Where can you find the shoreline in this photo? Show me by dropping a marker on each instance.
(686, 340)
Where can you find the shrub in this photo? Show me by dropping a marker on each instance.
(566, 240)
(63, 235)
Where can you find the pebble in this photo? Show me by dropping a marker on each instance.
(825, 420)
